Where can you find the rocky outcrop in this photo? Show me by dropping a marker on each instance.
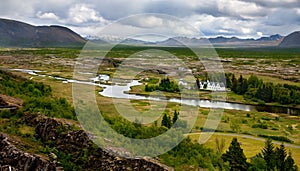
(11, 158)
(54, 132)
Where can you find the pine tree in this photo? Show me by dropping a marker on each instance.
(234, 85)
(257, 163)
(240, 79)
(236, 157)
(197, 84)
(233, 78)
(228, 81)
(268, 155)
(166, 121)
(280, 158)
(253, 81)
(176, 114)
(290, 163)
(244, 87)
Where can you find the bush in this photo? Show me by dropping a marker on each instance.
(260, 125)
(266, 118)
(244, 121)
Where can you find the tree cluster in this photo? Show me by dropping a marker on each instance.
(257, 90)
(271, 158)
(164, 85)
(276, 158)
(168, 122)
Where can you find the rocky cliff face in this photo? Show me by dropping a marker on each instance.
(12, 158)
(54, 132)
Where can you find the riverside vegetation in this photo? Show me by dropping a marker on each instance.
(38, 96)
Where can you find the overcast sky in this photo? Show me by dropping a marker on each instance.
(213, 18)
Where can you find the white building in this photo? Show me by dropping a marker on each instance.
(101, 78)
(212, 86)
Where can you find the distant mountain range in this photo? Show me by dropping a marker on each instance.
(19, 34)
(273, 40)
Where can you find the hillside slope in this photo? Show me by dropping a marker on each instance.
(19, 34)
(292, 40)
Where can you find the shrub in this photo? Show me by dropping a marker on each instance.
(260, 125)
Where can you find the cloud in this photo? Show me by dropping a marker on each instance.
(150, 25)
(83, 13)
(17, 9)
(283, 17)
(240, 9)
(47, 16)
(223, 26)
(241, 18)
(116, 9)
(276, 3)
(149, 21)
(259, 34)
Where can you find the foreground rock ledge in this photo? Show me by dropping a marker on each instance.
(12, 159)
(73, 142)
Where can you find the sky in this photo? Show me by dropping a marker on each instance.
(240, 18)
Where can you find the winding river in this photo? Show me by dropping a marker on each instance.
(118, 91)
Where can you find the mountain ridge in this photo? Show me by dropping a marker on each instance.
(19, 34)
(272, 40)
(291, 40)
